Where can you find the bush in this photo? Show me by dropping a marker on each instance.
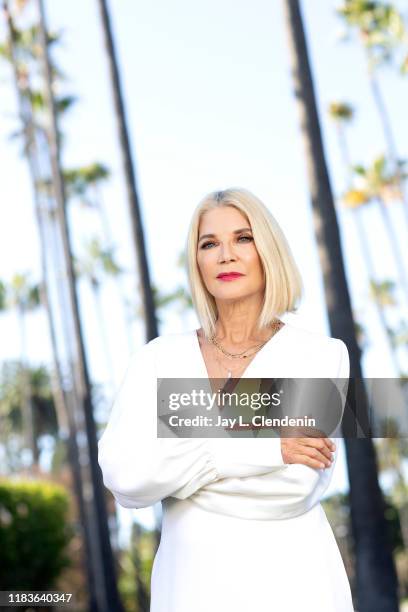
(34, 534)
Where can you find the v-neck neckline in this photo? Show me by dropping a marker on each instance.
(258, 355)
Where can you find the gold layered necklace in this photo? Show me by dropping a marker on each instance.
(276, 325)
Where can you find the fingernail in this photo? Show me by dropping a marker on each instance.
(322, 465)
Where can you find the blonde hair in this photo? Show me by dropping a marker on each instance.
(283, 283)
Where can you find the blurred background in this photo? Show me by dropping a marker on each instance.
(116, 119)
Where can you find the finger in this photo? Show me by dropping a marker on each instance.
(293, 449)
(323, 444)
(310, 461)
(319, 454)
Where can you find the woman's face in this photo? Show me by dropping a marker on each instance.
(228, 250)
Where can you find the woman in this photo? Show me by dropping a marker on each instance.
(243, 528)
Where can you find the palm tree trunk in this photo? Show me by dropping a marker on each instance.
(375, 571)
(398, 258)
(27, 404)
(148, 304)
(387, 130)
(368, 260)
(66, 421)
(130, 178)
(106, 595)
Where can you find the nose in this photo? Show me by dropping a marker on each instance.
(226, 254)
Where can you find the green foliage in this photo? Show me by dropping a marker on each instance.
(381, 180)
(179, 296)
(79, 180)
(38, 102)
(380, 26)
(28, 43)
(393, 525)
(337, 508)
(96, 263)
(3, 296)
(341, 111)
(34, 534)
(22, 293)
(136, 568)
(11, 397)
(383, 292)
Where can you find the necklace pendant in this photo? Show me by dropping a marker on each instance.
(229, 374)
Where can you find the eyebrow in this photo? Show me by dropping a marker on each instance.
(237, 231)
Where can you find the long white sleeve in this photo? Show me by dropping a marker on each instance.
(141, 469)
(240, 458)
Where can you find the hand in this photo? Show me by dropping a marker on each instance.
(312, 451)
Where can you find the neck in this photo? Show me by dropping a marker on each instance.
(237, 323)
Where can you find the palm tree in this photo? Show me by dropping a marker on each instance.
(178, 296)
(342, 113)
(106, 596)
(375, 571)
(84, 185)
(130, 177)
(97, 263)
(392, 448)
(34, 138)
(381, 32)
(12, 401)
(23, 297)
(381, 184)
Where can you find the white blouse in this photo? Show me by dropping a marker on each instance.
(234, 479)
(141, 469)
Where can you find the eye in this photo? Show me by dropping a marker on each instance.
(203, 246)
(246, 237)
(206, 244)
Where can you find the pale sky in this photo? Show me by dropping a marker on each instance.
(210, 105)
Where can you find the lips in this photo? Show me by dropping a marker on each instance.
(226, 275)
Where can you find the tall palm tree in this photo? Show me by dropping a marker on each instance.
(106, 595)
(84, 185)
(342, 114)
(381, 184)
(96, 263)
(12, 401)
(147, 297)
(375, 571)
(382, 297)
(24, 297)
(392, 449)
(381, 32)
(130, 177)
(36, 147)
(17, 50)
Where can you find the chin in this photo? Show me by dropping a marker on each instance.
(230, 294)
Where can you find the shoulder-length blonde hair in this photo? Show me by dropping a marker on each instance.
(283, 283)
